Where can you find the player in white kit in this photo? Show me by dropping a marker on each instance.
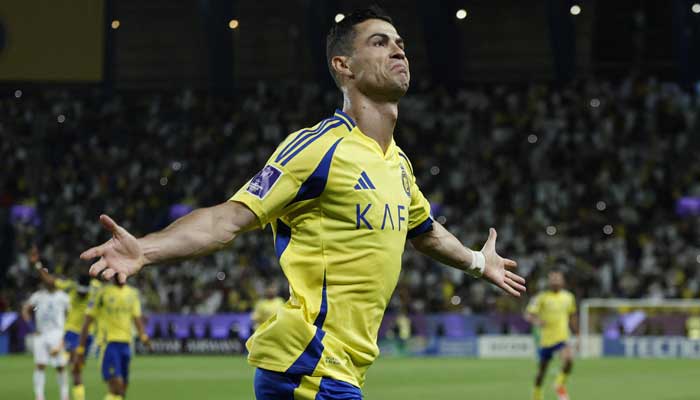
(50, 307)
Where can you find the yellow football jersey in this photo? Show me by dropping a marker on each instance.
(78, 303)
(266, 308)
(554, 309)
(341, 210)
(116, 307)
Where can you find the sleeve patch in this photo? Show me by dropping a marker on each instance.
(264, 181)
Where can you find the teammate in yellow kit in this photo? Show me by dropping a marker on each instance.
(342, 200)
(266, 307)
(551, 312)
(80, 293)
(118, 306)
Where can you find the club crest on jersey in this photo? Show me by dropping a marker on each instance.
(405, 181)
(265, 180)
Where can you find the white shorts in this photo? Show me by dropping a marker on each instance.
(44, 343)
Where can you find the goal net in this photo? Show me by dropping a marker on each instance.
(640, 328)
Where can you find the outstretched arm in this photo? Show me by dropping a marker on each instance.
(44, 274)
(198, 233)
(441, 245)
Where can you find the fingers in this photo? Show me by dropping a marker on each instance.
(109, 223)
(121, 277)
(509, 290)
(97, 268)
(97, 251)
(490, 244)
(492, 234)
(508, 263)
(515, 285)
(515, 277)
(108, 274)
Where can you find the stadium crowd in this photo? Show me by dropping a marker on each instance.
(584, 178)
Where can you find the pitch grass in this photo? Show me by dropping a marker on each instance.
(230, 378)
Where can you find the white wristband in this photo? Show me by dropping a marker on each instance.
(478, 264)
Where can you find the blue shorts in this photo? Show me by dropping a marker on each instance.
(115, 361)
(270, 385)
(546, 353)
(72, 339)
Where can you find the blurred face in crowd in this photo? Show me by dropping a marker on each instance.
(556, 281)
(378, 66)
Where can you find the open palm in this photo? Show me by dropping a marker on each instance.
(497, 268)
(120, 256)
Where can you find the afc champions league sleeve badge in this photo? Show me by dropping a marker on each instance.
(405, 181)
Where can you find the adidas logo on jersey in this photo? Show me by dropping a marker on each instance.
(364, 183)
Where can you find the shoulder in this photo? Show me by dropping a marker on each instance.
(311, 143)
(570, 295)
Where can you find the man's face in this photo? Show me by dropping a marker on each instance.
(378, 63)
(556, 280)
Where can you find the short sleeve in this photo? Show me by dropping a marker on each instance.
(296, 171)
(94, 304)
(63, 284)
(136, 307)
(534, 306)
(33, 299)
(419, 219)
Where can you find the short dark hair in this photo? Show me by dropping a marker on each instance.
(340, 37)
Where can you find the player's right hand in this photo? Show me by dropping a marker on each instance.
(120, 257)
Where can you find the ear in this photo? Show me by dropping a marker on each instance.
(341, 66)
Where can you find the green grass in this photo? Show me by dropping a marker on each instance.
(230, 378)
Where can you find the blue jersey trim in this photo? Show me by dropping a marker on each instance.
(310, 140)
(301, 136)
(340, 114)
(407, 162)
(323, 310)
(307, 361)
(314, 185)
(424, 226)
(283, 236)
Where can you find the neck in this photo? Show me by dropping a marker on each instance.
(375, 119)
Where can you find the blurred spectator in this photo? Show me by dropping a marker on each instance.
(583, 177)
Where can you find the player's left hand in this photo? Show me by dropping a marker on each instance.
(497, 268)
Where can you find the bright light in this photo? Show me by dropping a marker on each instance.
(442, 219)
(116, 24)
(601, 206)
(18, 93)
(461, 13)
(176, 165)
(455, 300)
(434, 170)
(221, 275)
(575, 9)
(608, 229)
(163, 181)
(551, 230)
(698, 258)
(532, 139)
(696, 8)
(595, 103)
(233, 24)
(339, 17)
(61, 119)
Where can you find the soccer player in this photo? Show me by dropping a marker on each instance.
(552, 311)
(50, 307)
(118, 306)
(79, 293)
(267, 307)
(342, 200)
